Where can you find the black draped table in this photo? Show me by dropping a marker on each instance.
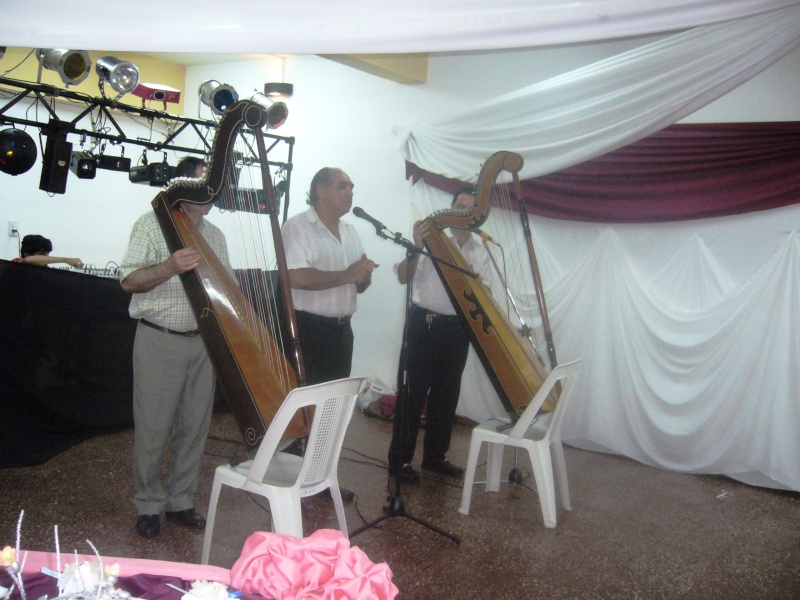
(66, 345)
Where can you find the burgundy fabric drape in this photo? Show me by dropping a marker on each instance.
(685, 171)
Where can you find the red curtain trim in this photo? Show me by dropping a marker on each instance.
(683, 172)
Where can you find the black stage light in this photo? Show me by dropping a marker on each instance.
(154, 174)
(84, 165)
(17, 151)
(55, 165)
(113, 163)
(278, 89)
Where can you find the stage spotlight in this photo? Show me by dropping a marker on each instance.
(217, 96)
(121, 75)
(275, 113)
(278, 89)
(72, 65)
(84, 165)
(113, 163)
(17, 151)
(153, 174)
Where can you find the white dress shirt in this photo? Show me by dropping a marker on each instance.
(310, 244)
(429, 291)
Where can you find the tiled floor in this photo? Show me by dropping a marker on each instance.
(633, 532)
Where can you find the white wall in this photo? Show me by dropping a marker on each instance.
(91, 221)
(342, 117)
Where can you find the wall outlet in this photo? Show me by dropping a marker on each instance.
(13, 229)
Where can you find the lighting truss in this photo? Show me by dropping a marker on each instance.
(106, 110)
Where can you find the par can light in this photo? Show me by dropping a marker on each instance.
(73, 66)
(219, 97)
(121, 75)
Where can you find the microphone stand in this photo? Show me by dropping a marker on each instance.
(396, 508)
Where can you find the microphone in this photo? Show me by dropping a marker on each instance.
(486, 237)
(280, 191)
(359, 212)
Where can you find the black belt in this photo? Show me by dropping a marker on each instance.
(172, 331)
(431, 315)
(320, 319)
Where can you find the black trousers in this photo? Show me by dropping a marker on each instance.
(327, 347)
(437, 349)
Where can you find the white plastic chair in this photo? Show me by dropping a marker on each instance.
(284, 478)
(536, 438)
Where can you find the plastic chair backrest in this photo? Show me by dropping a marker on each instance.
(566, 371)
(333, 402)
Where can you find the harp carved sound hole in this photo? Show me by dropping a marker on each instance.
(477, 313)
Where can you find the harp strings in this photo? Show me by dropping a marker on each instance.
(513, 284)
(244, 210)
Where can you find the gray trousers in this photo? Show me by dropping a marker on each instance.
(173, 398)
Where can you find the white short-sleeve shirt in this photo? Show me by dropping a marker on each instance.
(309, 244)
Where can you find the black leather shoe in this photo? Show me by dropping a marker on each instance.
(148, 525)
(347, 495)
(188, 518)
(406, 474)
(444, 467)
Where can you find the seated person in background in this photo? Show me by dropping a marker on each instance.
(36, 249)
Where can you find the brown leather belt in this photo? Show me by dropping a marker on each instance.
(172, 331)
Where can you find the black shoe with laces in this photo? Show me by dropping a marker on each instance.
(406, 474)
(443, 467)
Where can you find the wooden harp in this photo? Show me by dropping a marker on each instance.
(251, 366)
(513, 368)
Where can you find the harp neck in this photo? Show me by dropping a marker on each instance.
(494, 166)
(218, 175)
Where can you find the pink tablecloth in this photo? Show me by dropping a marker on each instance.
(322, 566)
(130, 566)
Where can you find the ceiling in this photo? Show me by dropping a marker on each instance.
(401, 68)
(192, 59)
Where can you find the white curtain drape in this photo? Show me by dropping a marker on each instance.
(588, 112)
(358, 26)
(689, 330)
(690, 333)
